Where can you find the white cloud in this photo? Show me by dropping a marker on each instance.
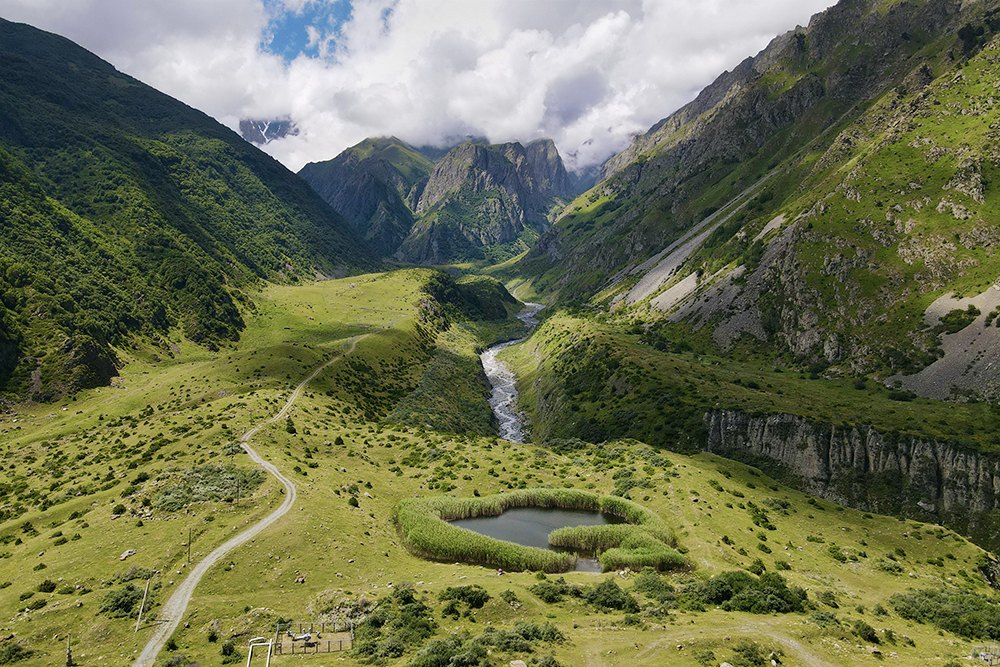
(587, 73)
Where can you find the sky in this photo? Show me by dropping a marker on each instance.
(589, 74)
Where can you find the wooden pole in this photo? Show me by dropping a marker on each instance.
(142, 605)
(189, 546)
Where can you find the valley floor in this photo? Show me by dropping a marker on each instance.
(163, 443)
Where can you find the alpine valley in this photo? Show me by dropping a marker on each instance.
(239, 406)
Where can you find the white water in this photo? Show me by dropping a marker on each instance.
(503, 400)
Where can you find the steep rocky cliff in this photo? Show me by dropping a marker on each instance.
(485, 201)
(375, 185)
(551, 176)
(860, 467)
(475, 201)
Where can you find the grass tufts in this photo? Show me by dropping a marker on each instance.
(645, 541)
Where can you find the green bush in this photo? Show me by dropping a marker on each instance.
(230, 654)
(47, 586)
(608, 596)
(396, 625)
(207, 483)
(11, 652)
(474, 596)
(748, 654)
(121, 602)
(865, 632)
(964, 613)
(740, 591)
(656, 587)
(824, 618)
(554, 591)
(462, 650)
(510, 597)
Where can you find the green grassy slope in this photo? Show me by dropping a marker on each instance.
(586, 378)
(775, 115)
(339, 542)
(125, 211)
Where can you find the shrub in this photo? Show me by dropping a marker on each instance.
(229, 653)
(656, 587)
(554, 591)
(964, 613)
(11, 652)
(889, 566)
(748, 654)
(474, 596)
(47, 586)
(608, 596)
(865, 632)
(741, 591)
(828, 598)
(120, 602)
(118, 509)
(395, 625)
(824, 618)
(207, 483)
(510, 597)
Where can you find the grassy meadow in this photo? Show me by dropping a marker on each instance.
(166, 430)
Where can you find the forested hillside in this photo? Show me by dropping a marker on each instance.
(127, 212)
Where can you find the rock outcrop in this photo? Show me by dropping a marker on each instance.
(551, 176)
(263, 132)
(430, 207)
(481, 196)
(375, 185)
(864, 468)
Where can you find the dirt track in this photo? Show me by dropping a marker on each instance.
(173, 609)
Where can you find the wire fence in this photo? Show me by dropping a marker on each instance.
(313, 646)
(294, 638)
(989, 654)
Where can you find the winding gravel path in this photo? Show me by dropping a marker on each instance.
(173, 609)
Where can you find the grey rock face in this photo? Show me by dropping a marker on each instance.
(861, 467)
(550, 173)
(263, 132)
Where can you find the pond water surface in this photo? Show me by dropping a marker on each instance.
(530, 527)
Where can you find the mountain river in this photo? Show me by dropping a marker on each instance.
(504, 397)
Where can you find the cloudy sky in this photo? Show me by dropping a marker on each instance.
(587, 73)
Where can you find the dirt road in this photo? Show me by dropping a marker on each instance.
(173, 609)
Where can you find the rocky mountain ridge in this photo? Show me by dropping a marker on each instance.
(837, 182)
(804, 85)
(477, 199)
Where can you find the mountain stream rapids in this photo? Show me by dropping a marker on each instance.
(503, 400)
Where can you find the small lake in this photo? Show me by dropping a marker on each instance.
(530, 527)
